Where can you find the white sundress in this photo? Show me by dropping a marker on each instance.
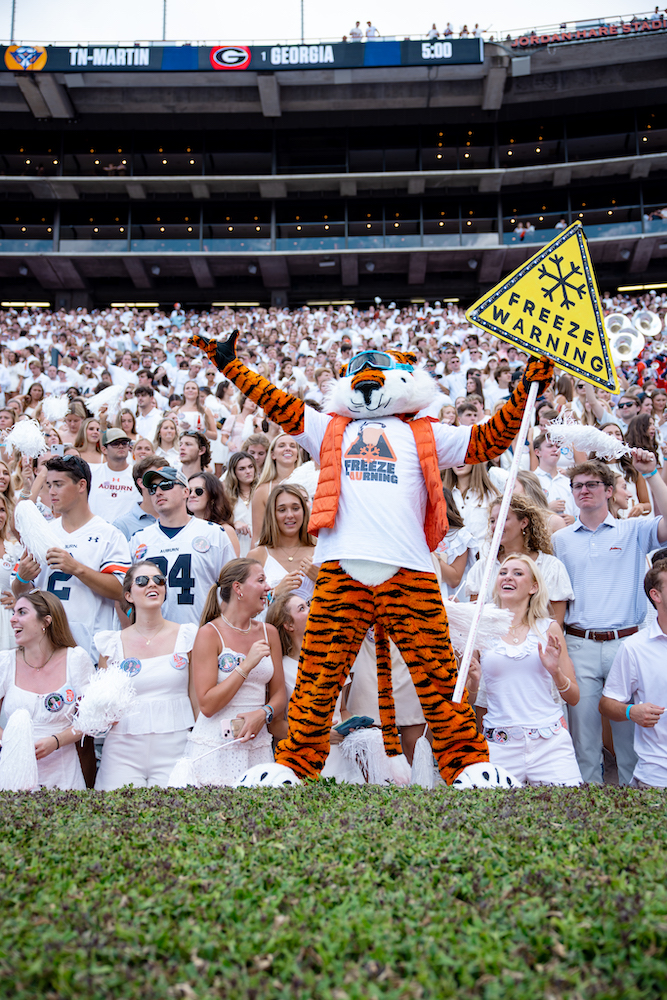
(227, 766)
(51, 714)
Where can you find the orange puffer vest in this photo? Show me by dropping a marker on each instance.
(325, 502)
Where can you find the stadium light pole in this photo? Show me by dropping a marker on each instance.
(11, 33)
(302, 38)
(164, 20)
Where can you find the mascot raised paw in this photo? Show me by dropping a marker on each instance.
(378, 512)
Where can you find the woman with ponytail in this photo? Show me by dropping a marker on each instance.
(238, 677)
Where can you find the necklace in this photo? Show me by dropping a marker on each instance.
(516, 640)
(289, 558)
(149, 641)
(246, 502)
(235, 627)
(32, 667)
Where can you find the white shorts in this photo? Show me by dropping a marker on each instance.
(141, 761)
(538, 762)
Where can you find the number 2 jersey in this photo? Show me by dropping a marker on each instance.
(191, 559)
(100, 546)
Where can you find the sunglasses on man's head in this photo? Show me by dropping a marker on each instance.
(165, 485)
(143, 581)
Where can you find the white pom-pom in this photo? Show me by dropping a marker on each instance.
(110, 696)
(365, 748)
(305, 475)
(109, 397)
(36, 533)
(587, 439)
(18, 763)
(183, 774)
(493, 625)
(26, 437)
(423, 765)
(54, 408)
(400, 769)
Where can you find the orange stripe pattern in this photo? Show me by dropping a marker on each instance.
(408, 607)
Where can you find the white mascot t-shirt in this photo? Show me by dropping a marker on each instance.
(383, 495)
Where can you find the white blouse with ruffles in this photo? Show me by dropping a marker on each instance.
(518, 686)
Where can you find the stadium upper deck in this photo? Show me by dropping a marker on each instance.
(328, 172)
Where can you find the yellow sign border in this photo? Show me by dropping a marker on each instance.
(472, 314)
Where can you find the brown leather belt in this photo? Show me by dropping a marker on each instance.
(616, 633)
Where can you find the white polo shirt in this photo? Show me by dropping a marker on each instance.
(639, 673)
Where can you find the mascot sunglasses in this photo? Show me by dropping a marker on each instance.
(374, 359)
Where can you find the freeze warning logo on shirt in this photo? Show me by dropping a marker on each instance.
(370, 457)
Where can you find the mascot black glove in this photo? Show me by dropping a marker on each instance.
(538, 370)
(220, 352)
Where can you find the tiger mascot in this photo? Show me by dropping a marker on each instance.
(378, 513)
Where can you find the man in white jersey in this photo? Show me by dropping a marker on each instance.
(86, 572)
(189, 551)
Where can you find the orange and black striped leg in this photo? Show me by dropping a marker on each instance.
(341, 612)
(409, 606)
(392, 740)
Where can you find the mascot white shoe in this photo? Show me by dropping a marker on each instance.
(485, 776)
(268, 776)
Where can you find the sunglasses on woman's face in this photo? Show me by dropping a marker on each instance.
(199, 491)
(143, 581)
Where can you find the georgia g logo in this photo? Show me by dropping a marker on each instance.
(230, 57)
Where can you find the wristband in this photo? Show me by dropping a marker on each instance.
(648, 475)
(21, 580)
(627, 713)
(57, 740)
(241, 672)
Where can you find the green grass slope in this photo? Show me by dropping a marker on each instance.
(334, 892)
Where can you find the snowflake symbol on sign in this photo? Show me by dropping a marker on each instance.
(562, 281)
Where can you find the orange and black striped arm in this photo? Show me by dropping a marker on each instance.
(492, 438)
(284, 409)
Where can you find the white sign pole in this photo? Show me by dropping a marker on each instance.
(495, 542)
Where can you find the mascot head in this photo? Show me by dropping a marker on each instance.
(379, 384)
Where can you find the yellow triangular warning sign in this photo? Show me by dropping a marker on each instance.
(550, 305)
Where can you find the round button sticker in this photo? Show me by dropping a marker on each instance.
(201, 544)
(69, 696)
(54, 702)
(227, 662)
(178, 661)
(131, 666)
(140, 552)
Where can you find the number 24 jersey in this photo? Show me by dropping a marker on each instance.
(191, 561)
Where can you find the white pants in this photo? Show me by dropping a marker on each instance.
(538, 762)
(141, 761)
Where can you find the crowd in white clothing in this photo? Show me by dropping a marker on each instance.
(155, 494)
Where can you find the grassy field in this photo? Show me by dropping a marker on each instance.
(334, 892)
